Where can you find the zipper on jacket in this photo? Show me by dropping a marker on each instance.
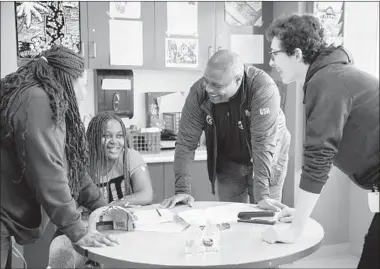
(211, 114)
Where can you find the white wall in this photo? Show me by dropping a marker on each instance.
(361, 37)
(8, 39)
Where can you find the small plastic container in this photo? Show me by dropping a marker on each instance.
(211, 237)
(194, 241)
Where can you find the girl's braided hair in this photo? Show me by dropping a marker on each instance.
(97, 151)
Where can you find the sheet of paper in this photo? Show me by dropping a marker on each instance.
(126, 10)
(216, 214)
(182, 18)
(249, 47)
(167, 227)
(151, 216)
(116, 84)
(171, 103)
(126, 42)
(181, 52)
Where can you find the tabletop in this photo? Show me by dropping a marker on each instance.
(241, 246)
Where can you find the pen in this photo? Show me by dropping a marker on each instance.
(158, 212)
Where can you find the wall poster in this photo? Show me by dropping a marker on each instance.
(41, 24)
(181, 52)
(331, 15)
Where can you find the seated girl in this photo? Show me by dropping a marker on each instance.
(120, 172)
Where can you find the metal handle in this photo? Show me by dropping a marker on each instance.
(115, 101)
(94, 49)
(82, 47)
(209, 52)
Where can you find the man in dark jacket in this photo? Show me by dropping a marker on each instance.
(246, 135)
(342, 122)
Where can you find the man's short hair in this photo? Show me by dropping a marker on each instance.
(299, 31)
(227, 61)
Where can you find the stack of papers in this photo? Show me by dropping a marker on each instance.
(153, 216)
(157, 220)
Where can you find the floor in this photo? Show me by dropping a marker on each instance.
(342, 261)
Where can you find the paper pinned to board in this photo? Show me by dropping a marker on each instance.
(116, 84)
(182, 18)
(126, 42)
(216, 214)
(250, 48)
(125, 10)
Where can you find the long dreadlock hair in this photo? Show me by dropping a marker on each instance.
(97, 151)
(55, 71)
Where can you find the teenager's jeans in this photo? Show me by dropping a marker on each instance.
(371, 250)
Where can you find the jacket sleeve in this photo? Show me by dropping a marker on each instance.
(265, 108)
(327, 110)
(90, 195)
(189, 133)
(43, 145)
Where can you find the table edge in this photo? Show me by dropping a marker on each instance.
(257, 264)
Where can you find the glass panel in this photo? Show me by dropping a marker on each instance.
(181, 52)
(243, 13)
(42, 24)
(332, 16)
(125, 10)
(182, 18)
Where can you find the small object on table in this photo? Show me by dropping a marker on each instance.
(223, 226)
(255, 214)
(158, 212)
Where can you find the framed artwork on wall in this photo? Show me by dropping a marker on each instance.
(331, 15)
(40, 24)
(243, 13)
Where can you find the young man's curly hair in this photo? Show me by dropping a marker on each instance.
(299, 31)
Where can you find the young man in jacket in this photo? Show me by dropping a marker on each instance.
(246, 135)
(342, 122)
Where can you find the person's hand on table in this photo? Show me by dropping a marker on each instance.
(178, 198)
(286, 214)
(272, 235)
(96, 239)
(271, 204)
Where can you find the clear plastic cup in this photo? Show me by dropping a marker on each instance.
(194, 241)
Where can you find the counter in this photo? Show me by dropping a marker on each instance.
(167, 156)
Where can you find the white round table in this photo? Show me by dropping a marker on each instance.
(241, 246)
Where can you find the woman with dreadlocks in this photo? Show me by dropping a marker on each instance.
(120, 172)
(44, 152)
